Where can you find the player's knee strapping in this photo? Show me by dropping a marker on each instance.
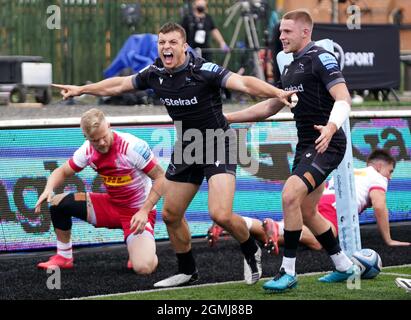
(307, 183)
(312, 177)
(62, 212)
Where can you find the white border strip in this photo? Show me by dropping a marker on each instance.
(222, 283)
(165, 119)
(162, 119)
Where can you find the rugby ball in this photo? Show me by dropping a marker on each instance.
(369, 263)
(294, 100)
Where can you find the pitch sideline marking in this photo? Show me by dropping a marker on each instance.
(221, 283)
(396, 274)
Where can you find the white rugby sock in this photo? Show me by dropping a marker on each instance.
(289, 265)
(248, 222)
(65, 249)
(341, 261)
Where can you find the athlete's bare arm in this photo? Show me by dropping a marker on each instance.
(256, 87)
(379, 204)
(108, 87)
(257, 112)
(340, 93)
(139, 220)
(57, 177)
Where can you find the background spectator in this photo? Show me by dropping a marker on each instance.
(199, 25)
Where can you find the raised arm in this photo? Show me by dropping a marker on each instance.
(256, 87)
(108, 87)
(256, 112)
(379, 204)
(57, 177)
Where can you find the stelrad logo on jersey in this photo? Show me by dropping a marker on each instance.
(299, 88)
(179, 102)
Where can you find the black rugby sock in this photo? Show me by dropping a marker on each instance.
(249, 247)
(291, 239)
(329, 242)
(186, 262)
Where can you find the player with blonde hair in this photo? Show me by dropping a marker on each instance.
(127, 166)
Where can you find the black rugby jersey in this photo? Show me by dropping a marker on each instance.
(312, 72)
(191, 93)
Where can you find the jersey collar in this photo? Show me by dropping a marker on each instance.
(304, 50)
(182, 67)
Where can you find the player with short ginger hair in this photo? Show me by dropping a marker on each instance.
(189, 87)
(324, 104)
(127, 166)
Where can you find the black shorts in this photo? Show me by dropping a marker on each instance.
(319, 165)
(190, 163)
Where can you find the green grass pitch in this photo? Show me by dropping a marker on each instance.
(380, 288)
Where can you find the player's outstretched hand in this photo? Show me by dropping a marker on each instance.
(138, 222)
(68, 91)
(285, 97)
(326, 133)
(395, 243)
(46, 195)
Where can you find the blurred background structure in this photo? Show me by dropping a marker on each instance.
(98, 38)
(92, 32)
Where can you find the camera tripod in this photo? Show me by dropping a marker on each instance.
(248, 20)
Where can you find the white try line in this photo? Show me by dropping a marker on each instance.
(400, 266)
(221, 283)
(180, 288)
(396, 274)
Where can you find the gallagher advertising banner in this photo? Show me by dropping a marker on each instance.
(369, 57)
(28, 156)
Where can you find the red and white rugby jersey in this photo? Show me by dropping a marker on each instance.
(366, 180)
(123, 168)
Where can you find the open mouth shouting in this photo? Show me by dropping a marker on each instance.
(168, 58)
